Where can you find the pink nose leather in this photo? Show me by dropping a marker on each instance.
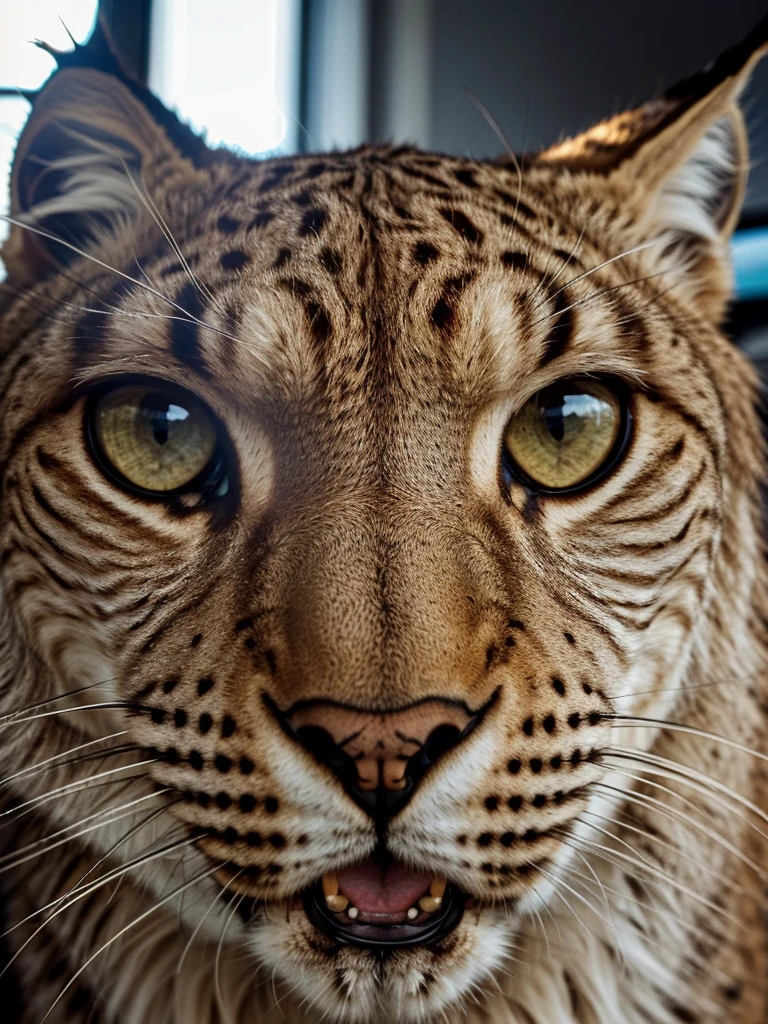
(381, 745)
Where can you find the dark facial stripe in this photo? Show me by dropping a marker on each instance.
(443, 311)
(515, 202)
(562, 332)
(184, 333)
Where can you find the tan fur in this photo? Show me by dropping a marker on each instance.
(384, 313)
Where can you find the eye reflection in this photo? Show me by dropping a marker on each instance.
(564, 434)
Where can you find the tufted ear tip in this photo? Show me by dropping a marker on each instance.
(675, 169)
(91, 136)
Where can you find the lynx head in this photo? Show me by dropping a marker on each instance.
(380, 493)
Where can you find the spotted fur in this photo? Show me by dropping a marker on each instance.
(364, 324)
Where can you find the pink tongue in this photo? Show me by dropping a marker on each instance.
(385, 889)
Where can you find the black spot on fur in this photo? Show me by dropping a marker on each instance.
(235, 259)
(227, 726)
(179, 718)
(558, 686)
(227, 224)
(246, 765)
(514, 260)
(463, 225)
(319, 322)
(184, 330)
(331, 260)
(466, 176)
(312, 222)
(283, 256)
(222, 763)
(425, 253)
(203, 686)
(442, 315)
(204, 723)
(514, 766)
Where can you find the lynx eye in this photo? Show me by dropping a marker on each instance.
(154, 438)
(568, 435)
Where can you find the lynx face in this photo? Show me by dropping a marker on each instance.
(386, 504)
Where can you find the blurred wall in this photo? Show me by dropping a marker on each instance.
(542, 69)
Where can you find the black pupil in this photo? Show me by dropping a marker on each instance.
(554, 414)
(161, 414)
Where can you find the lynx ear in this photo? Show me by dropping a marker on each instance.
(93, 137)
(676, 169)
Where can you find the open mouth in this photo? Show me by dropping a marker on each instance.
(380, 903)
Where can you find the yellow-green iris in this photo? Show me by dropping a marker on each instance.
(564, 434)
(159, 441)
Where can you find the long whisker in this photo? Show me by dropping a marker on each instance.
(217, 961)
(125, 705)
(63, 903)
(659, 840)
(70, 786)
(606, 263)
(77, 891)
(666, 768)
(82, 821)
(72, 750)
(52, 700)
(42, 847)
(137, 920)
(139, 284)
(648, 802)
(643, 865)
(628, 721)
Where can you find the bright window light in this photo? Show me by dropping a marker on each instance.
(229, 68)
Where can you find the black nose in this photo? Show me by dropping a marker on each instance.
(379, 757)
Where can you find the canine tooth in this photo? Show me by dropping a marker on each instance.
(337, 903)
(429, 904)
(437, 887)
(412, 912)
(330, 884)
(353, 912)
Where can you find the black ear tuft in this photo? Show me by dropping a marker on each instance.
(95, 142)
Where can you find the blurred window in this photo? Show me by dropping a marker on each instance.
(230, 68)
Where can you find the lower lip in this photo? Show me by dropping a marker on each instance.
(366, 935)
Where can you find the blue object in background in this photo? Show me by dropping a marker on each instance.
(750, 264)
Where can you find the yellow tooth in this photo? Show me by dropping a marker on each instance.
(353, 912)
(330, 884)
(437, 887)
(337, 903)
(429, 904)
(413, 912)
